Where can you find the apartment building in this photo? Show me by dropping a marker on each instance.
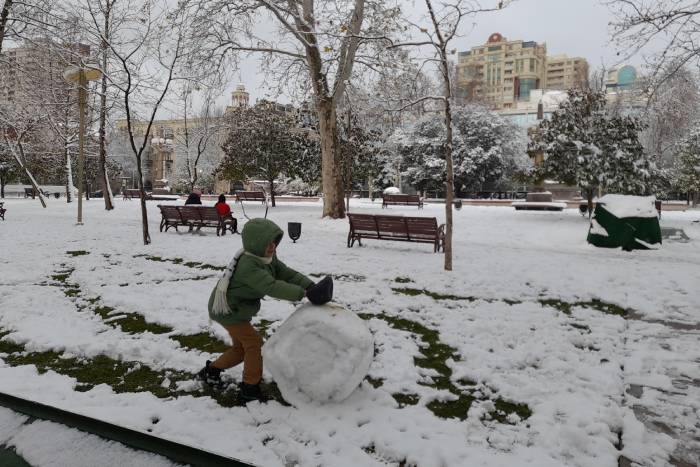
(32, 73)
(564, 73)
(502, 73)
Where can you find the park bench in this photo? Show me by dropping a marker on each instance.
(250, 196)
(131, 193)
(405, 200)
(2, 211)
(32, 192)
(196, 216)
(399, 228)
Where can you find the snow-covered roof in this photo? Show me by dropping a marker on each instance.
(622, 206)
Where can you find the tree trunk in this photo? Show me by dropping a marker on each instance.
(332, 184)
(144, 212)
(20, 161)
(69, 177)
(3, 182)
(449, 186)
(104, 177)
(272, 191)
(4, 16)
(589, 198)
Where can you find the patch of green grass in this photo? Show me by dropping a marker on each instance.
(340, 277)
(202, 341)
(595, 303)
(121, 376)
(407, 399)
(434, 356)
(403, 280)
(131, 323)
(560, 305)
(504, 408)
(78, 253)
(374, 382)
(582, 327)
(437, 296)
(605, 307)
(62, 277)
(189, 264)
(457, 408)
(264, 327)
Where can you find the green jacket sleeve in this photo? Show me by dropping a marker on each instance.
(261, 281)
(288, 274)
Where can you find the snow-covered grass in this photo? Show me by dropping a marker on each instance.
(538, 349)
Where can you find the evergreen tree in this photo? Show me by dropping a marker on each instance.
(587, 147)
(686, 170)
(264, 142)
(487, 150)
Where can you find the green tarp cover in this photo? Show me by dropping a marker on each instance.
(623, 232)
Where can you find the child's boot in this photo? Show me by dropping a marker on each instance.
(250, 392)
(210, 375)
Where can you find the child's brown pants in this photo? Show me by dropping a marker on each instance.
(247, 345)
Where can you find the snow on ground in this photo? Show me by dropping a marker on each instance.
(520, 356)
(67, 447)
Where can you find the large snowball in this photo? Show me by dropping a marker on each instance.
(319, 354)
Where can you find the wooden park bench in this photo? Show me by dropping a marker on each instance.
(250, 196)
(131, 193)
(405, 200)
(196, 216)
(2, 211)
(399, 228)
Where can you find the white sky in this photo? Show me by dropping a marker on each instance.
(572, 27)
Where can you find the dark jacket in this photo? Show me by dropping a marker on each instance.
(254, 278)
(193, 198)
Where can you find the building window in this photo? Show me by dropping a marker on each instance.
(526, 85)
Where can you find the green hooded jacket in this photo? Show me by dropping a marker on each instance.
(256, 276)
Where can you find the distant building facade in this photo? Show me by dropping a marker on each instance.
(161, 153)
(502, 73)
(34, 71)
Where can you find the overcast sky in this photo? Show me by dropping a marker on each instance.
(573, 27)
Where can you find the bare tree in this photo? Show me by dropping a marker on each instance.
(23, 18)
(150, 48)
(444, 20)
(199, 133)
(105, 10)
(671, 26)
(19, 126)
(318, 40)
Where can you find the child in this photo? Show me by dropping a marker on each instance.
(222, 207)
(224, 210)
(254, 272)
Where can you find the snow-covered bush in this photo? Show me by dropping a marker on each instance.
(319, 354)
(487, 150)
(587, 146)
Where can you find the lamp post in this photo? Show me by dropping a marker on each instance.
(81, 75)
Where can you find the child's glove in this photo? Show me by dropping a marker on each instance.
(321, 292)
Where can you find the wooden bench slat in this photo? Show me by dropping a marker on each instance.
(401, 199)
(196, 216)
(399, 228)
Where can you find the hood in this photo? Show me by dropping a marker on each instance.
(258, 233)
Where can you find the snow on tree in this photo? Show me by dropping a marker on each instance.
(487, 150)
(686, 169)
(264, 141)
(312, 51)
(584, 145)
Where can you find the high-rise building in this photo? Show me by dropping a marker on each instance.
(32, 74)
(502, 73)
(564, 73)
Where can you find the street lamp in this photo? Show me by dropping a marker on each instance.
(81, 75)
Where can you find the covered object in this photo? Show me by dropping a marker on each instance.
(630, 222)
